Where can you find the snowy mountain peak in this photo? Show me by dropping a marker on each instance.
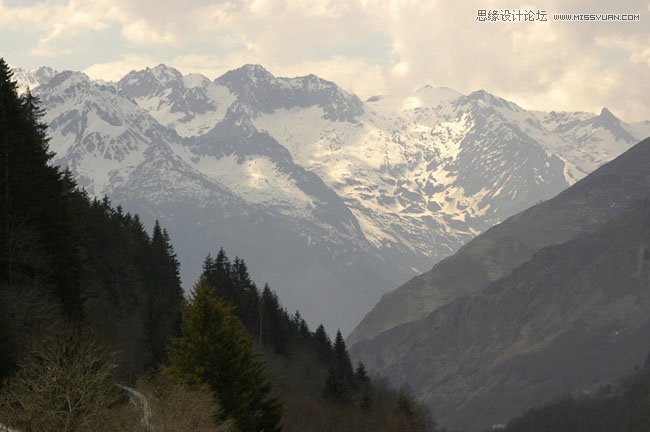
(259, 92)
(33, 78)
(439, 90)
(605, 112)
(606, 119)
(609, 122)
(195, 80)
(67, 79)
(433, 96)
(250, 75)
(164, 73)
(149, 81)
(484, 97)
(191, 104)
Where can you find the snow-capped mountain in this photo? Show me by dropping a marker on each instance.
(191, 105)
(332, 200)
(100, 135)
(33, 78)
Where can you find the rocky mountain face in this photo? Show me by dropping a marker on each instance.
(332, 200)
(556, 299)
(498, 251)
(29, 80)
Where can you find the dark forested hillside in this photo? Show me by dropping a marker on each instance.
(314, 376)
(65, 257)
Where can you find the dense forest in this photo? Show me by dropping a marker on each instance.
(314, 376)
(624, 408)
(90, 303)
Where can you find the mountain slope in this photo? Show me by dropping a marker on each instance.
(366, 194)
(238, 184)
(495, 253)
(99, 135)
(426, 173)
(574, 316)
(33, 78)
(191, 105)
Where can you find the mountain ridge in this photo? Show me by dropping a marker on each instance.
(504, 247)
(382, 177)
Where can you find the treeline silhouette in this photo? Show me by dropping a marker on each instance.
(315, 376)
(65, 256)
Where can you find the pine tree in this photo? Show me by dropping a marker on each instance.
(300, 326)
(405, 406)
(274, 322)
(247, 295)
(340, 378)
(332, 390)
(219, 274)
(342, 361)
(165, 294)
(208, 266)
(323, 345)
(174, 266)
(361, 375)
(215, 349)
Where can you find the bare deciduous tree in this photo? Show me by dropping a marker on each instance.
(64, 383)
(182, 408)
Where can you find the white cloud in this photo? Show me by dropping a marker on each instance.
(113, 71)
(549, 65)
(360, 77)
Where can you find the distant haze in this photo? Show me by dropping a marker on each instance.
(368, 46)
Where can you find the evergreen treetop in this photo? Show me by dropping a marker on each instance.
(215, 349)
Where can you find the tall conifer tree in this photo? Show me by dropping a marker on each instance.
(215, 349)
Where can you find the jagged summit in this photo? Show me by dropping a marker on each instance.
(165, 73)
(33, 78)
(259, 92)
(606, 112)
(68, 77)
(485, 97)
(606, 119)
(248, 75)
(253, 69)
(149, 81)
(193, 80)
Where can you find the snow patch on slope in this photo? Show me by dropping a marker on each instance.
(162, 108)
(257, 180)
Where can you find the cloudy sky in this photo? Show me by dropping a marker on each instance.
(366, 46)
